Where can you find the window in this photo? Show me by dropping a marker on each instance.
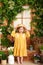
(24, 18)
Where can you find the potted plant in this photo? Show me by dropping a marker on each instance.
(36, 58)
(4, 43)
(3, 58)
(10, 57)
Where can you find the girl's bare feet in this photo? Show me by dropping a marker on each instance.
(18, 60)
(21, 60)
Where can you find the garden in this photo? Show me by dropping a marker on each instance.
(9, 9)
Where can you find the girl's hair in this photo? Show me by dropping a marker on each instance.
(17, 30)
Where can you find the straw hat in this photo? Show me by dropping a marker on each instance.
(21, 25)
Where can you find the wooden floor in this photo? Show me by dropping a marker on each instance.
(26, 63)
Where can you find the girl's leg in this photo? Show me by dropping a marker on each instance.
(21, 59)
(18, 60)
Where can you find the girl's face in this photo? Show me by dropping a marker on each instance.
(21, 29)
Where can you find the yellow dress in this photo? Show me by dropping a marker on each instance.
(20, 48)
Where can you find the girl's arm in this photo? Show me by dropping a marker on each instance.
(27, 34)
(13, 33)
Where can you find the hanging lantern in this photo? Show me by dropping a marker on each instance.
(1, 4)
(0, 36)
(5, 22)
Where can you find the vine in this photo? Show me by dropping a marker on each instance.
(9, 10)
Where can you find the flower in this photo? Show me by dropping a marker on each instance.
(10, 50)
(11, 4)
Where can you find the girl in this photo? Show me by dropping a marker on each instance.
(20, 48)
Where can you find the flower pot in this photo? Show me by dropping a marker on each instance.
(4, 62)
(10, 59)
(36, 61)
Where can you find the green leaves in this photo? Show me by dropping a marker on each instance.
(10, 8)
(5, 42)
(38, 18)
(3, 55)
